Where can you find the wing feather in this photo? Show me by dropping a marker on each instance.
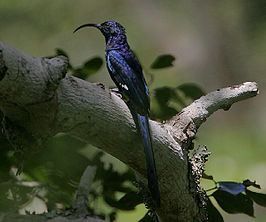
(129, 80)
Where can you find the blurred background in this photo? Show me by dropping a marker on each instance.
(215, 43)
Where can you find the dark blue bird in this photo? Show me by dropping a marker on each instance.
(126, 72)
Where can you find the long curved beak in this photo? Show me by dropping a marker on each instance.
(86, 25)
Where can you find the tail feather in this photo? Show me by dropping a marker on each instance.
(143, 125)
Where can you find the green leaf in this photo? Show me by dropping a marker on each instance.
(163, 61)
(230, 203)
(114, 181)
(259, 198)
(90, 67)
(163, 96)
(93, 65)
(59, 51)
(249, 183)
(131, 200)
(207, 177)
(232, 187)
(191, 90)
(146, 218)
(112, 216)
(213, 213)
(110, 199)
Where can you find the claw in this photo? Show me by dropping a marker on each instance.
(117, 92)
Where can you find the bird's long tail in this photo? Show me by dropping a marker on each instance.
(143, 125)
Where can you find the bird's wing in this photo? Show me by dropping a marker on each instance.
(129, 80)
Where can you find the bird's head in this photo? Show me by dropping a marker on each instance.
(108, 29)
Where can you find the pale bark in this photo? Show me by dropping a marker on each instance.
(37, 92)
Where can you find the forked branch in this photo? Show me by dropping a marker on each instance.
(37, 92)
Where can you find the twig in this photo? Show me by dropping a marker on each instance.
(81, 203)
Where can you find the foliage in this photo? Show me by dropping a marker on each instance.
(54, 177)
(234, 197)
(87, 69)
(163, 61)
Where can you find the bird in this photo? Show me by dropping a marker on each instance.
(126, 72)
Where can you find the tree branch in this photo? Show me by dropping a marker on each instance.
(36, 91)
(191, 117)
(80, 207)
(81, 203)
(42, 218)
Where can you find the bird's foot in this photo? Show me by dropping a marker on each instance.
(117, 92)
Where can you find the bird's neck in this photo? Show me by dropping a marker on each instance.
(117, 43)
